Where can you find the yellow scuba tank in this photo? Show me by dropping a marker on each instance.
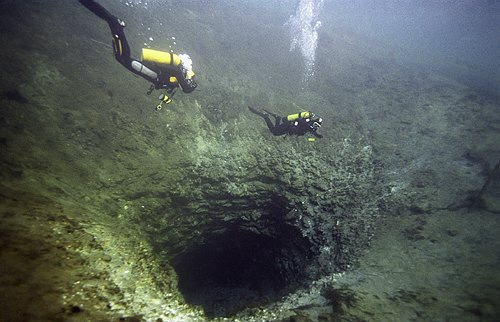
(301, 115)
(160, 57)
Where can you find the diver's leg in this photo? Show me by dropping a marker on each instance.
(274, 128)
(259, 113)
(120, 44)
(270, 124)
(266, 118)
(276, 116)
(101, 12)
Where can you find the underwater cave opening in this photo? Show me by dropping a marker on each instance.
(240, 268)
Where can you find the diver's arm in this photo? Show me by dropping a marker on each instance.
(187, 85)
(163, 81)
(316, 134)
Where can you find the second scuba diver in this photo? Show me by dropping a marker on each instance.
(294, 124)
(164, 70)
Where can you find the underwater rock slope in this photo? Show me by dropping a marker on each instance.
(110, 209)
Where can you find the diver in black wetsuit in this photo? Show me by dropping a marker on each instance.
(165, 70)
(294, 124)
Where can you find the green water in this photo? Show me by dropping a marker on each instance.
(112, 210)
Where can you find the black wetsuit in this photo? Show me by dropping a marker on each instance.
(160, 77)
(282, 126)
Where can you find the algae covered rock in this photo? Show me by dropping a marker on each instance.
(113, 210)
(264, 213)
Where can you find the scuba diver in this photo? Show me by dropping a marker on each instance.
(294, 124)
(164, 70)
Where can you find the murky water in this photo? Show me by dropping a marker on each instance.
(111, 208)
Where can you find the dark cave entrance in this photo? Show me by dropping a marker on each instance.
(240, 268)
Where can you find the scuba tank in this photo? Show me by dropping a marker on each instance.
(161, 59)
(301, 115)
